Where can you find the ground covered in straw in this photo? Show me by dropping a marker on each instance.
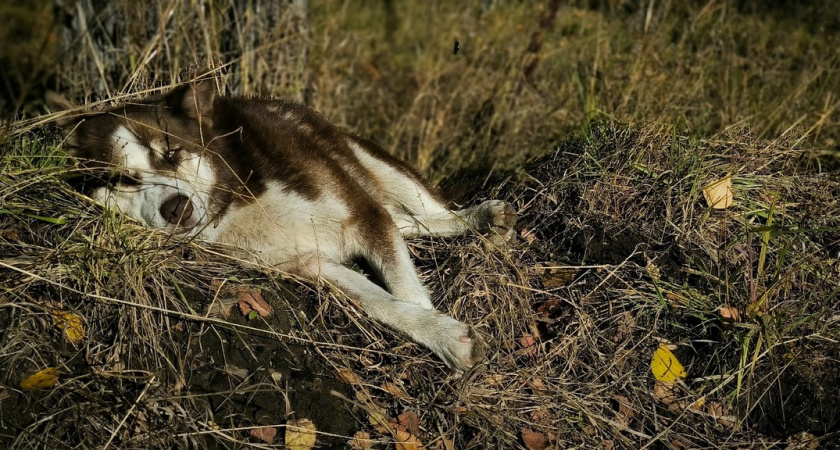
(618, 252)
(602, 122)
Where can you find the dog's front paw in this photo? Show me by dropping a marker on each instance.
(493, 215)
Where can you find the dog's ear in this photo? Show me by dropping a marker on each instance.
(69, 120)
(58, 103)
(194, 100)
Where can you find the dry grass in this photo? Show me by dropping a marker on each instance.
(702, 66)
(604, 150)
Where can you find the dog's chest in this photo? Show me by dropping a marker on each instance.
(280, 226)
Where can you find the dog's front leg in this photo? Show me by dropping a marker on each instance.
(451, 340)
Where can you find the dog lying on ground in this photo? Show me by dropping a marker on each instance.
(279, 180)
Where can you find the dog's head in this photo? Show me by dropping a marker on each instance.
(154, 159)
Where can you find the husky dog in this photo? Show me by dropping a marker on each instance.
(279, 180)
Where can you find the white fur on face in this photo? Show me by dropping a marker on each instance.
(193, 178)
(129, 152)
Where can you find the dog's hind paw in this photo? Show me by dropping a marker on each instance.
(493, 215)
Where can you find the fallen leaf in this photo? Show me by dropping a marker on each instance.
(537, 385)
(624, 407)
(251, 299)
(221, 308)
(719, 193)
(540, 416)
(409, 421)
(529, 344)
(666, 393)
(10, 234)
(236, 371)
(300, 434)
(608, 445)
(266, 434)
(395, 390)
(407, 441)
(381, 422)
(721, 414)
(549, 308)
(40, 380)
(679, 444)
(71, 324)
(665, 366)
(348, 376)
(730, 314)
(534, 440)
(216, 285)
(361, 441)
(803, 441)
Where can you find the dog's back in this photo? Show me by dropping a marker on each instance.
(279, 180)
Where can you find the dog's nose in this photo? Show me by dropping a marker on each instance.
(177, 210)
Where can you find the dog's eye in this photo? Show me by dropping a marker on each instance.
(171, 154)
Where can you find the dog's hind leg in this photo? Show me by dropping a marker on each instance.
(491, 216)
(419, 212)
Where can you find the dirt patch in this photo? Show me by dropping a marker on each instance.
(238, 376)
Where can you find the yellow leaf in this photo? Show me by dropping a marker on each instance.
(719, 193)
(380, 421)
(300, 434)
(40, 380)
(665, 366)
(74, 330)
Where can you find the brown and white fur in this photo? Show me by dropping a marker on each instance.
(279, 180)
